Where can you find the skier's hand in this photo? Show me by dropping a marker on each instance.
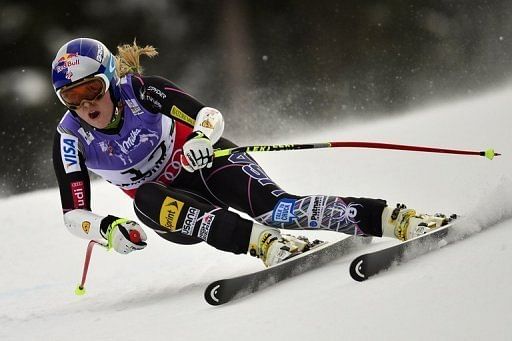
(125, 236)
(197, 152)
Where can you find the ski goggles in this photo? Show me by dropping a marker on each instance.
(87, 90)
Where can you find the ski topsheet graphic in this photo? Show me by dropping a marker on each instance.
(226, 290)
(369, 264)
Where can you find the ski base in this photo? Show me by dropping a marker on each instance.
(370, 264)
(226, 290)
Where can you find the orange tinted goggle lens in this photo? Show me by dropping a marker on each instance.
(89, 90)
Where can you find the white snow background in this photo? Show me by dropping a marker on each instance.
(460, 292)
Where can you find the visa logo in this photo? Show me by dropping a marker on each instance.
(69, 153)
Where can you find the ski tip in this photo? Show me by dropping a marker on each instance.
(357, 269)
(211, 294)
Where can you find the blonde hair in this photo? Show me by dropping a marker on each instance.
(128, 57)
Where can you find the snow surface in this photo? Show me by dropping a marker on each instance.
(460, 292)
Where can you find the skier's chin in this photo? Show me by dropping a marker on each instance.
(98, 119)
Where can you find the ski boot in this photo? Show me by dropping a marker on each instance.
(273, 247)
(404, 223)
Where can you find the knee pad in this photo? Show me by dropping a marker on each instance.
(149, 207)
(181, 218)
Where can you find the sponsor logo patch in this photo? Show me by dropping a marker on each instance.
(86, 226)
(190, 221)
(134, 106)
(316, 209)
(88, 137)
(206, 224)
(345, 214)
(157, 92)
(69, 153)
(207, 124)
(78, 194)
(177, 113)
(66, 61)
(156, 103)
(283, 211)
(170, 212)
(99, 54)
(123, 148)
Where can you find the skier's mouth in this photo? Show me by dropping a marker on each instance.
(94, 114)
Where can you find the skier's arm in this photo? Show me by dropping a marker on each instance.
(71, 172)
(118, 232)
(74, 186)
(159, 95)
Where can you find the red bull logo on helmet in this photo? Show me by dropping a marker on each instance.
(66, 61)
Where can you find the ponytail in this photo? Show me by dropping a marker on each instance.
(128, 58)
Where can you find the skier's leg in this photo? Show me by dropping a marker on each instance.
(252, 191)
(180, 217)
(361, 216)
(239, 182)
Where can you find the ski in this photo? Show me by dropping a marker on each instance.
(229, 289)
(370, 264)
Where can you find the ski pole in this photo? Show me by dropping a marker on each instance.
(489, 153)
(80, 289)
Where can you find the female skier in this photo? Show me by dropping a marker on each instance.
(155, 142)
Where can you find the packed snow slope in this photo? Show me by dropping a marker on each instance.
(460, 292)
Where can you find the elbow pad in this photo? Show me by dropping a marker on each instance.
(210, 122)
(84, 224)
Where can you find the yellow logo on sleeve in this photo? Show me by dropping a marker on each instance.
(177, 113)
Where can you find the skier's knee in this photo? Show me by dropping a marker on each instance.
(180, 218)
(161, 212)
